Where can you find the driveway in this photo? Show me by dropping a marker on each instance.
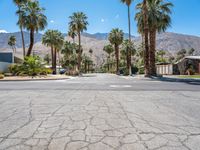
(99, 112)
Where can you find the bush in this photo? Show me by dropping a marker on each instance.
(1, 76)
(46, 71)
(14, 69)
(141, 70)
(31, 67)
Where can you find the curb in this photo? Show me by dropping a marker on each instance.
(33, 80)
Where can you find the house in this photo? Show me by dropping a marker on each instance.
(189, 62)
(6, 59)
(181, 67)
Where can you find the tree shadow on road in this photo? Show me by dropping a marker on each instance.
(187, 81)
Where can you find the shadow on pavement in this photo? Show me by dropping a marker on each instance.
(187, 81)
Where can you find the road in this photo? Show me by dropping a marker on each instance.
(99, 112)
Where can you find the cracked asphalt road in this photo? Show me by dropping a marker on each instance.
(99, 112)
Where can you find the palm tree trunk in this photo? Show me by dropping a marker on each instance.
(79, 53)
(128, 50)
(52, 57)
(55, 62)
(117, 58)
(59, 60)
(146, 39)
(31, 42)
(88, 67)
(108, 61)
(22, 35)
(152, 52)
(23, 43)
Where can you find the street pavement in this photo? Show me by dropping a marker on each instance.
(99, 112)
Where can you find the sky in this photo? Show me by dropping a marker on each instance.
(103, 15)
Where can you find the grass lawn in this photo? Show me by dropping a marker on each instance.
(188, 76)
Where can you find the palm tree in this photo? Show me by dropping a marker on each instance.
(78, 22)
(146, 35)
(48, 39)
(158, 20)
(33, 20)
(127, 45)
(72, 34)
(59, 38)
(143, 29)
(128, 3)
(12, 43)
(116, 37)
(109, 50)
(53, 39)
(67, 49)
(153, 17)
(19, 3)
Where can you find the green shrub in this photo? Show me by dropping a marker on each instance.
(14, 69)
(141, 70)
(45, 71)
(1, 76)
(32, 66)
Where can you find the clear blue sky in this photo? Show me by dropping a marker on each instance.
(103, 15)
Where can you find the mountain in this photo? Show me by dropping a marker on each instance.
(171, 42)
(5, 36)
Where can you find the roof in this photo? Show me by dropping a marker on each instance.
(192, 57)
(189, 57)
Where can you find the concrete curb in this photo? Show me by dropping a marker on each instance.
(14, 80)
(175, 79)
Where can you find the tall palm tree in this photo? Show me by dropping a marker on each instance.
(153, 17)
(12, 43)
(59, 38)
(128, 3)
(53, 39)
(78, 22)
(109, 50)
(19, 3)
(146, 37)
(143, 29)
(159, 20)
(48, 39)
(34, 20)
(116, 37)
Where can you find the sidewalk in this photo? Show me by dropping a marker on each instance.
(37, 78)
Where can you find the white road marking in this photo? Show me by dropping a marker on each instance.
(120, 86)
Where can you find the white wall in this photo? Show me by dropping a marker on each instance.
(4, 66)
(165, 69)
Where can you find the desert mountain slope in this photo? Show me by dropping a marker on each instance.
(171, 42)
